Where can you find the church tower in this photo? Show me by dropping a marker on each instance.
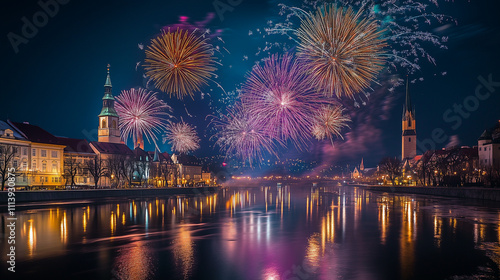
(409, 138)
(108, 118)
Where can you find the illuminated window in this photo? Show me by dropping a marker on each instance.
(33, 152)
(24, 166)
(54, 166)
(103, 123)
(44, 166)
(15, 163)
(33, 165)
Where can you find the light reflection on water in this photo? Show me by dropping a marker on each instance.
(290, 232)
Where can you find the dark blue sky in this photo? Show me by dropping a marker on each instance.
(56, 79)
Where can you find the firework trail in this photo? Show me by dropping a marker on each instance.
(180, 62)
(329, 122)
(238, 134)
(141, 114)
(280, 98)
(182, 137)
(343, 50)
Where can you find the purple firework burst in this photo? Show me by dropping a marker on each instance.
(281, 99)
(239, 134)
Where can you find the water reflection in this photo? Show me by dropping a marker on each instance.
(265, 233)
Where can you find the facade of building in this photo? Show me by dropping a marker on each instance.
(489, 147)
(189, 169)
(45, 156)
(20, 149)
(77, 154)
(409, 136)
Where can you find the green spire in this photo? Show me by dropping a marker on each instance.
(108, 79)
(108, 106)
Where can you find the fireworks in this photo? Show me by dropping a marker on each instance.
(281, 100)
(179, 62)
(240, 135)
(182, 137)
(141, 113)
(342, 49)
(329, 122)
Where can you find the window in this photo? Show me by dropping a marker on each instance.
(33, 165)
(479, 148)
(25, 151)
(44, 166)
(24, 166)
(14, 164)
(114, 123)
(54, 166)
(44, 153)
(54, 154)
(103, 124)
(33, 152)
(409, 139)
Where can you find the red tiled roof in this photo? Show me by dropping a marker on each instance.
(35, 133)
(75, 145)
(112, 148)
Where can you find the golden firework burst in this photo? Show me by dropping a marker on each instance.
(180, 63)
(343, 51)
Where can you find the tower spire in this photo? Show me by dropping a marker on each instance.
(108, 79)
(408, 106)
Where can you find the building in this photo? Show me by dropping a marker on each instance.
(489, 147)
(77, 155)
(409, 136)
(46, 156)
(108, 130)
(189, 169)
(19, 157)
(109, 146)
(163, 170)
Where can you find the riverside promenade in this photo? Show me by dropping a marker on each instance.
(65, 195)
(460, 192)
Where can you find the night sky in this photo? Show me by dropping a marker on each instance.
(56, 79)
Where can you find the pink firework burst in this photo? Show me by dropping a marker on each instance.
(239, 134)
(281, 99)
(182, 137)
(141, 114)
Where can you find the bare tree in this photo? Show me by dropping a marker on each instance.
(97, 169)
(392, 167)
(71, 169)
(142, 167)
(127, 169)
(7, 154)
(114, 168)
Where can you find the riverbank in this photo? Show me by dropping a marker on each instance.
(65, 195)
(471, 193)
